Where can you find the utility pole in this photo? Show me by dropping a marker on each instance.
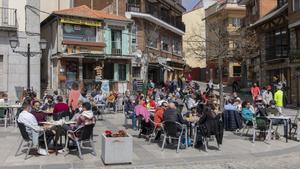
(28, 66)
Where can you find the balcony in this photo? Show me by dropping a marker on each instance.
(295, 55)
(8, 19)
(133, 7)
(116, 48)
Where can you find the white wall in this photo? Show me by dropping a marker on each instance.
(53, 5)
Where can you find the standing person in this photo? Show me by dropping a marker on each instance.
(209, 87)
(255, 91)
(267, 96)
(73, 97)
(135, 85)
(83, 96)
(235, 86)
(278, 97)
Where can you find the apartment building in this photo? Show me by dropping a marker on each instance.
(223, 20)
(14, 23)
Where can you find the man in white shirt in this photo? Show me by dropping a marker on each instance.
(32, 128)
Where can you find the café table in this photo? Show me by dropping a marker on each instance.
(57, 126)
(10, 113)
(287, 123)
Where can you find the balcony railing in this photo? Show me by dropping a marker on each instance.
(133, 7)
(295, 55)
(8, 17)
(116, 47)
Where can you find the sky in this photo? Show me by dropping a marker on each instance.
(189, 4)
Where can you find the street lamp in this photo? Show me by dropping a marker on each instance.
(14, 42)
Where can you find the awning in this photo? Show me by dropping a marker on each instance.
(271, 15)
(155, 20)
(166, 67)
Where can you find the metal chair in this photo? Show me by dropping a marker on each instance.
(60, 115)
(173, 130)
(82, 135)
(28, 140)
(261, 125)
(3, 116)
(155, 130)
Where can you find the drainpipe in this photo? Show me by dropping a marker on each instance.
(117, 7)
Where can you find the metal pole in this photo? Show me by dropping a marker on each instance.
(221, 83)
(28, 66)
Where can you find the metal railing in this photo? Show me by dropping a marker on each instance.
(8, 17)
(116, 47)
(133, 7)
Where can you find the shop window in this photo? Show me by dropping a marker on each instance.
(79, 32)
(237, 70)
(122, 72)
(108, 71)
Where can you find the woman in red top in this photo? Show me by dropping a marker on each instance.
(74, 96)
(60, 106)
(255, 91)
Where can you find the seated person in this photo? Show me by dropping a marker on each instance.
(32, 128)
(238, 104)
(48, 104)
(171, 114)
(111, 101)
(150, 103)
(247, 113)
(86, 117)
(192, 101)
(260, 109)
(60, 106)
(99, 98)
(230, 106)
(159, 114)
(272, 110)
(37, 113)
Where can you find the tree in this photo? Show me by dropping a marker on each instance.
(223, 43)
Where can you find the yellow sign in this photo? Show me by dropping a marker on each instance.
(80, 22)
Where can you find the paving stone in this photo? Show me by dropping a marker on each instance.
(57, 166)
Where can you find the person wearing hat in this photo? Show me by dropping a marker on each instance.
(278, 97)
(267, 96)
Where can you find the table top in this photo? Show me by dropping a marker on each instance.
(279, 117)
(59, 122)
(10, 106)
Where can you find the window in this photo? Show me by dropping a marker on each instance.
(236, 22)
(177, 46)
(136, 72)
(151, 37)
(237, 70)
(276, 43)
(122, 72)
(296, 5)
(280, 3)
(298, 37)
(253, 10)
(134, 38)
(165, 43)
(116, 40)
(79, 32)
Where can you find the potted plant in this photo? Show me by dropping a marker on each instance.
(117, 147)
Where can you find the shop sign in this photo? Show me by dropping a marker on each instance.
(80, 22)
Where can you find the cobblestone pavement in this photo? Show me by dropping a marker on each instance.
(236, 153)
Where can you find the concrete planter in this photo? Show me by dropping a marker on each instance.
(117, 150)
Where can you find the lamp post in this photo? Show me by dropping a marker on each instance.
(14, 42)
